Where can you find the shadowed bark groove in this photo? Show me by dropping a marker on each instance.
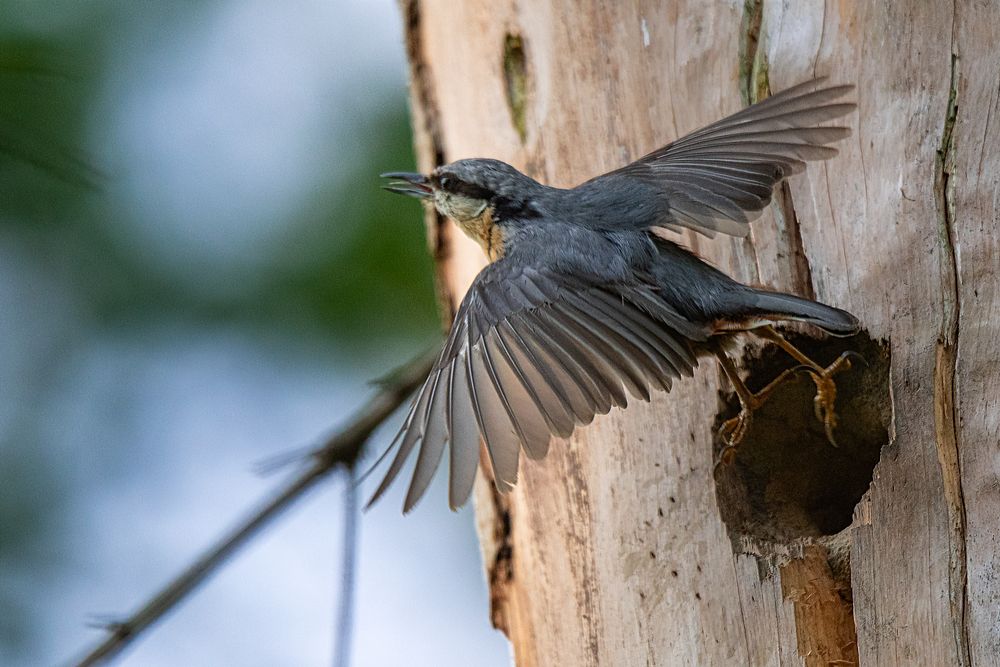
(429, 149)
(755, 86)
(945, 368)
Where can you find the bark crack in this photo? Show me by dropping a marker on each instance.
(946, 362)
(755, 85)
(802, 281)
(753, 63)
(743, 614)
(501, 570)
(429, 148)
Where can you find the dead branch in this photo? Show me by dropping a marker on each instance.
(342, 449)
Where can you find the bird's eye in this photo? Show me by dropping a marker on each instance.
(444, 183)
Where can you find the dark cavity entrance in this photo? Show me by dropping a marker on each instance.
(787, 481)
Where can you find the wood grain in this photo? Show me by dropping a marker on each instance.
(612, 551)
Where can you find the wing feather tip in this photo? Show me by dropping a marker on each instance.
(457, 498)
(371, 502)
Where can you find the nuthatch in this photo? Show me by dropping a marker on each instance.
(583, 304)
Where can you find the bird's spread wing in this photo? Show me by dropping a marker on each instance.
(719, 178)
(534, 353)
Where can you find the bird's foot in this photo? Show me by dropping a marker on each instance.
(732, 433)
(824, 404)
(734, 430)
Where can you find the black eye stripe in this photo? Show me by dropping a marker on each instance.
(452, 184)
(470, 190)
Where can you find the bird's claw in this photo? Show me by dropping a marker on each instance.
(826, 391)
(823, 406)
(856, 356)
(734, 430)
(732, 433)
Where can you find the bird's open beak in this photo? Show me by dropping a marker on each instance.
(407, 183)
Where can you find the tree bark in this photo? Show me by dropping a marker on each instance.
(626, 546)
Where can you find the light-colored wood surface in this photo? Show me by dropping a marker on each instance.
(613, 550)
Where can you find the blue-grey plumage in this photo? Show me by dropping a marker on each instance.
(584, 304)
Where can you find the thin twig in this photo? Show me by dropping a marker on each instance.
(348, 568)
(341, 449)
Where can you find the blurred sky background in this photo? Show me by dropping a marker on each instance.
(198, 271)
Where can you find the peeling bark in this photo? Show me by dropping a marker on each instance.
(824, 619)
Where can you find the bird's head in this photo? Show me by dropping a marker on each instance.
(468, 190)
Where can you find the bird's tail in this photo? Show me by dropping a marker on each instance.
(790, 307)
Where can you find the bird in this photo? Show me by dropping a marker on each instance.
(584, 303)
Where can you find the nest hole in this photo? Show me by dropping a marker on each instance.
(787, 481)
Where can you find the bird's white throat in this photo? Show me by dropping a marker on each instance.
(459, 207)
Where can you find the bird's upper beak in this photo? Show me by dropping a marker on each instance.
(407, 183)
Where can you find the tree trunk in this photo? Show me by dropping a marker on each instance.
(626, 545)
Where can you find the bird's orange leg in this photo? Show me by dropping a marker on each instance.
(734, 430)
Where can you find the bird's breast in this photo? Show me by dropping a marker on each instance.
(486, 233)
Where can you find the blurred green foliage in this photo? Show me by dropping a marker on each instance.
(365, 280)
(360, 288)
(44, 182)
(370, 287)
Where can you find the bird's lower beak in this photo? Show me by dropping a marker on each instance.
(407, 183)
